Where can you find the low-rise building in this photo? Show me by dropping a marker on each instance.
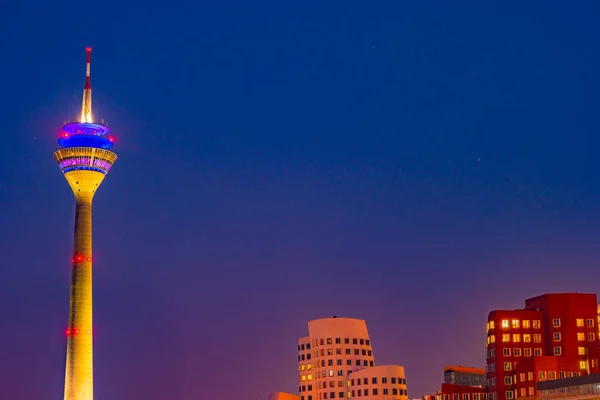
(465, 376)
(384, 382)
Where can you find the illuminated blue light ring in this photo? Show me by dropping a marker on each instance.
(97, 142)
(85, 128)
(86, 168)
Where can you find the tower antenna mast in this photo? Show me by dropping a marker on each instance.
(86, 104)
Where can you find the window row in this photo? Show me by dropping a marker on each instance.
(536, 324)
(465, 396)
(365, 381)
(512, 394)
(375, 392)
(364, 353)
(322, 342)
(331, 384)
(329, 373)
(517, 324)
(339, 361)
(338, 351)
(340, 395)
(537, 338)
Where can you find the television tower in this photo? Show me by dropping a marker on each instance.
(85, 160)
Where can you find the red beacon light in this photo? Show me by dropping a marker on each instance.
(79, 258)
(68, 332)
(112, 139)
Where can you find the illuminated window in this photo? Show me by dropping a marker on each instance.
(537, 338)
(580, 336)
(531, 391)
(527, 352)
(590, 323)
(523, 392)
(309, 377)
(303, 366)
(556, 336)
(487, 327)
(537, 352)
(542, 375)
(526, 338)
(530, 376)
(536, 324)
(492, 338)
(591, 337)
(491, 324)
(506, 337)
(581, 351)
(579, 322)
(516, 323)
(330, 372)
(303, 377)
(522, 376)
(507, 366)
(557, 351)
(556, 322)
(582, 365)
(505, 323)
(517, 337)
(526, 324)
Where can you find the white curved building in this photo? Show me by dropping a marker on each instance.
(385, 382)
(334, 349)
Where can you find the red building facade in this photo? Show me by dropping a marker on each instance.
(458, 392)
(555, 336)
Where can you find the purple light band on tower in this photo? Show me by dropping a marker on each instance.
(85, 162)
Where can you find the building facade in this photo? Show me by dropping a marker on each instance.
(464, 376)
(450, 391)
(283, 396)
(385, 382)
(333, 349)
(554, 336)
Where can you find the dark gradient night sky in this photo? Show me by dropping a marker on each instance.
(415, 164)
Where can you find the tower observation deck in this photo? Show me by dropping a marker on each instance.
(84, 159)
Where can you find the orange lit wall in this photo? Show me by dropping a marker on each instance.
(283, 396)
(385, 382)
(333, 349)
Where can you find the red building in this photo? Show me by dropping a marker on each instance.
(458, 392)
(555, 336)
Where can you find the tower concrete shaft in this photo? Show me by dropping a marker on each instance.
(79, 382)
